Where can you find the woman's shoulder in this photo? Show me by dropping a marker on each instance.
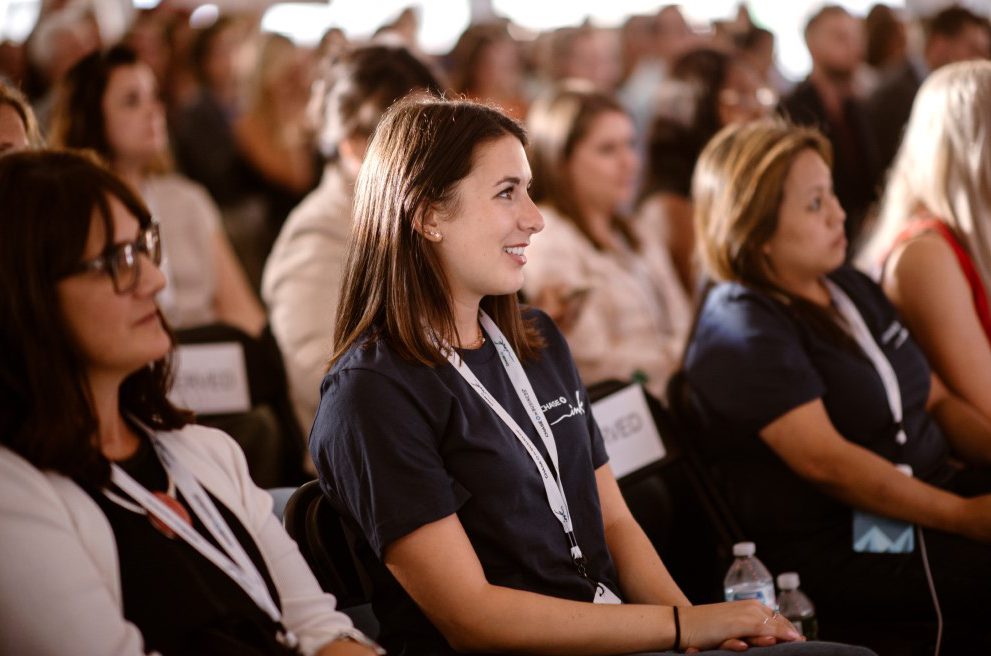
(727, 300)
(559, 231)
(179, 195)
(204, 442)
(19, 479)
(371, 364)
(178, 185)
(862, 289)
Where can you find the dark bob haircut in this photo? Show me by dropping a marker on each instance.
(49, 200)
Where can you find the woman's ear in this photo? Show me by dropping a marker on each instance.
(428, 226)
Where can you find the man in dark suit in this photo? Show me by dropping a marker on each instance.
(827, 101)
(954, 34)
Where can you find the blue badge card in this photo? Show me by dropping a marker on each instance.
(876, 534)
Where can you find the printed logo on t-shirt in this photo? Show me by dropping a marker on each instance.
(561, 408)
(894, 336)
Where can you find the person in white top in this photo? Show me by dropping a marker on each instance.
(82, 569)
(302, 277)
(109, 103)
(610, 285)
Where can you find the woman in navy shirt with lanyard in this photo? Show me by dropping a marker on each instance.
(453, 429)
(817, 402)
(124, 528)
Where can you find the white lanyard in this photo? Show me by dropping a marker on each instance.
(553, 486)
(235, 563)
(862, 334)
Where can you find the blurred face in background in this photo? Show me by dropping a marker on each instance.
(603, 166)
(133, 115)
(499, 69)
(595, 56)
(836, 44)
(744, 97)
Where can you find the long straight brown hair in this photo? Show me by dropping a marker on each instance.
(394, 286)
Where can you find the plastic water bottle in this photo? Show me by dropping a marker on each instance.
(748, 578)
(796, 607)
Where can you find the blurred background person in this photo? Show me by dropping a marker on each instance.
(18, 126)
(756, 47)
(485, 66)
(610, 286)
(886, 41)
(272, 134)
(932, 245)
(302, 276)
(827, 99)
(203, 134)
(954, 34)
(705, 90)
(586, 53)
(61, 38)
(109, 103)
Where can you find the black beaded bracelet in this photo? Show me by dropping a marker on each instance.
(677, 629)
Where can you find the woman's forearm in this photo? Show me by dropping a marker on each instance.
(642, 576)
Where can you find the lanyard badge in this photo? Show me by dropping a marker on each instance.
(232, 560)
(553, 485)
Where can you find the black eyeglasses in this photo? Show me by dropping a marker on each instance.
(122, 260)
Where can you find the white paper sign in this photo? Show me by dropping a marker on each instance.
(631, 438)
(211, 378)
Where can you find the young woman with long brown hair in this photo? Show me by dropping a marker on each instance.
(455, 435)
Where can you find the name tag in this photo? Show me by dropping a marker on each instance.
(628, 430)
(604, 595)
(211, 378)
(876, 534)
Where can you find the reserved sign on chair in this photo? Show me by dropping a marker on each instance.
(628, 428)
(211, 378)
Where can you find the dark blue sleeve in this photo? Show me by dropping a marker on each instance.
(376, 449)
(747, 362)
(557, 349)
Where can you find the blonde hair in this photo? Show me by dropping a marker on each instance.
(737, 190)
(943, 165)
(12, 97)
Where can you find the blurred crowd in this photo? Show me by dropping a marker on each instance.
(225, 129)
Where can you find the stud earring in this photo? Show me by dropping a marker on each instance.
(437, 235)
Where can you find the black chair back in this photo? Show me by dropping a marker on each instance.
(680, 508)
(327, 544)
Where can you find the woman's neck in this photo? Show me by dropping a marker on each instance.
(466, 323)
(117, 440)
(812, 289)
(600, 226)
(131, 173)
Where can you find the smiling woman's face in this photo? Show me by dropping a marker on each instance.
(482, 244)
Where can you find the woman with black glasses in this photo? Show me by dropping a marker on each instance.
(125, 528)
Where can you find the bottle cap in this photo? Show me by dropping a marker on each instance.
(742, 549)
(788, 581)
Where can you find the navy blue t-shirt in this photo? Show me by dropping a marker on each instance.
(399, 445)
(751, 361)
